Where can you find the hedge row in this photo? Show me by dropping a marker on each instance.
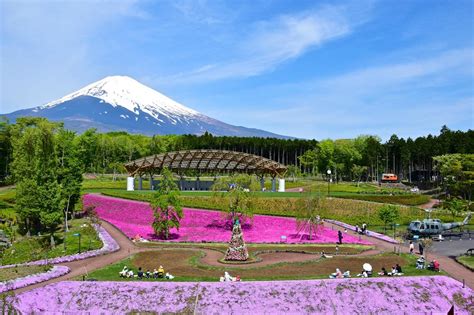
(407, 200)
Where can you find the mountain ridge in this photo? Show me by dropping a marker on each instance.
(120, 103)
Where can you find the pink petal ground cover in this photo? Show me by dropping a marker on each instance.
(369, 233)
(404, 295)
(197, 225)
(14, 284)
(109, 246)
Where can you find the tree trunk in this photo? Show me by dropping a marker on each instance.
(66, 226)
(28, 233)
(52, 240)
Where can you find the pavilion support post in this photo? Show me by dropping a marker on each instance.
(198, 183)
(140, 182)
(151, 182)
(181, 182)
(130, 183)
(262, 183)
(281, 185)
(273, 184)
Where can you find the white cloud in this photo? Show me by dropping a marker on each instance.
(398, 75)
(275, 41)
(412, 95)
(48, 47)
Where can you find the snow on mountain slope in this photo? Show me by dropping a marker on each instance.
(128, 93)
(120, 103)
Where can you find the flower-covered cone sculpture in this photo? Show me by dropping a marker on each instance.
(237, 249)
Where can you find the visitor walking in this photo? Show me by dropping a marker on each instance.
(420, 248)
(412, 247)
(339, 236)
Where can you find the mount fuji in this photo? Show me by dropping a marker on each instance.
(120, 103)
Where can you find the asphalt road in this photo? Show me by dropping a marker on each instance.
(453, 247)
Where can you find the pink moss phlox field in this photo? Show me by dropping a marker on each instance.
(410, 295)
(369, 233)
(14, 284)
(109, 246)
(135, 218)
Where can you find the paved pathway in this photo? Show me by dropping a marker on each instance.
(430, 204)
(454, 269)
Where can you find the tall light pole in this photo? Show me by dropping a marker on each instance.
(329, 182)
(78, 234)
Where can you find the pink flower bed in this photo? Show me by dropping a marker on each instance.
(404, 295)
(197, 225)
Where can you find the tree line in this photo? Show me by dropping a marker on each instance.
(367, 157)
(362, 158)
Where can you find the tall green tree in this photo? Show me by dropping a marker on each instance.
(5, 149)
(308, 218)
(167, 209)
(34, 167)
(388, 214)
(69, 172)
(457, 171)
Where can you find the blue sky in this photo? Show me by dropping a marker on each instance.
(309, 69)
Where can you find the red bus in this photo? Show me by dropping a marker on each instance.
(389, 178)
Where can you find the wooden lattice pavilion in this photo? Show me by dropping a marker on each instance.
(206, 161)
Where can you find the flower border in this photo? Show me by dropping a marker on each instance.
(17, 283)
(109, 246)
(369, 233)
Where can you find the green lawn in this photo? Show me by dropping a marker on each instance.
(187, 267)
(467, 261)
(37, 247)
(22, 271)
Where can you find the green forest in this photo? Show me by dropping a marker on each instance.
(360, 159)
(47, 163)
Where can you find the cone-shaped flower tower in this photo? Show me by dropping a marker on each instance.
(237, 250)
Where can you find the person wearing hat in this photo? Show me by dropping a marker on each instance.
(161, 272)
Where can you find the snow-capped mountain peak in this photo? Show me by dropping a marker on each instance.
(132, 95)
(120, 103)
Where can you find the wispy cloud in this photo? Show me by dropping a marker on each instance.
(272, 42)
(49, 47)
(411, 93)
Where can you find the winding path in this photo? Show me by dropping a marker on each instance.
(127, 248)
(454, 269)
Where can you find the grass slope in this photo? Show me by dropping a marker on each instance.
(37, 247)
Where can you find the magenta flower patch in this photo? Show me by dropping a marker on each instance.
(135, 218)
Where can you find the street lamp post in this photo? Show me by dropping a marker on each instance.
(395, 225)
(329, 182)
(78, 234)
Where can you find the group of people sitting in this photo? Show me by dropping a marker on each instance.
(339, 274)
(160, 273)
(228, 278)
(361, 230)
(433, 265)
(396, 271)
